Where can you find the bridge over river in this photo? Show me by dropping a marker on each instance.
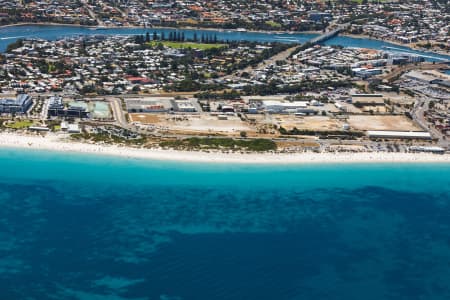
(327, 35)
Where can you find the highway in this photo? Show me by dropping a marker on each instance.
(418, 114)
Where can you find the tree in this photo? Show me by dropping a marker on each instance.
(431, 105)
(139, 39)
(243, 134)
(15, 45)
(83, 47)
(174, 65)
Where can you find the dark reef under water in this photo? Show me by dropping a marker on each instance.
(370, 243)
(90, 241)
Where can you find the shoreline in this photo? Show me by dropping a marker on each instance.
(158, 27)
(55, 143)
(411, 46)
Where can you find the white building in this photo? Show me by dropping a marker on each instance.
(184, 106)
(423, 135)
(274, 106)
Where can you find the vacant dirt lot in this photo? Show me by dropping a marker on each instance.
(193, 123)
(144, 118)
(205, 123)
(397, 123)
(311, 123)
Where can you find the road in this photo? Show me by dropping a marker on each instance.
(93, 15)
(403, 69)
(44, 112)
(115, 103)
(119, 116)
(418, 114)
(124, 15)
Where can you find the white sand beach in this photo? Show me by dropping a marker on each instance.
(53, 142)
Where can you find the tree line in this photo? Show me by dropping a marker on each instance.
(277, 87)
(176, 36)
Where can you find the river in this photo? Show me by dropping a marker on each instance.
(52, 32)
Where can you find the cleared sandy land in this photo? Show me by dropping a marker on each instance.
(144, 118)
(400, 99)
(397, 123)
(312, 123)
(207, 124)
(193, 123)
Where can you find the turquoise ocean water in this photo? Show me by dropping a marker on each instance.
(88, 227)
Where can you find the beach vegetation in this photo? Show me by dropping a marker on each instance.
(19, 124)
(3, 122)
(197, 143)
(111, 136)
(54, 125)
